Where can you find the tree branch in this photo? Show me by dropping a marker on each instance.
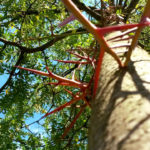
(44, 46)
(87, 9)
(12, 72)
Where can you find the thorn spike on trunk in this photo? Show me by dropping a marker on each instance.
(61, 107)
(123, 39)
(120, 46)
(69, 92)
(123, 34)
(73, 122)
(34, 71)
(98, 70)
(67, 20)
(105, 30)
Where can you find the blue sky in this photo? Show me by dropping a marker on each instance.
(3, 79)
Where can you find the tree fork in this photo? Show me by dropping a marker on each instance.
(120, 117)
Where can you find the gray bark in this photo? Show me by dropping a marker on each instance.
(120, 117)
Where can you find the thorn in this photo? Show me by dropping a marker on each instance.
(120, 27)
(123, 34)
(70, 93)
(79, 56)
(34, 71)
(120, 46)
(123, 39)
(67, 20)
(65, 81)
(73, 122)
(61, 107)
(98, 70)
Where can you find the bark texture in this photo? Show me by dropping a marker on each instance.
(121, 109)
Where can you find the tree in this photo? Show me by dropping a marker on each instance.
(33, 37)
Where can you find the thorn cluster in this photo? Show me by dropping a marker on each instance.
(83, 87)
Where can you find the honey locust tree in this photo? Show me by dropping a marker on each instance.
(34, 34)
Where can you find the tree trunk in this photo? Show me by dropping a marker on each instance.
(120, 117)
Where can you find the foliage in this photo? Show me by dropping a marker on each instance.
(30, 37)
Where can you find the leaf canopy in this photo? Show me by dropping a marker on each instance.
(30, 36)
